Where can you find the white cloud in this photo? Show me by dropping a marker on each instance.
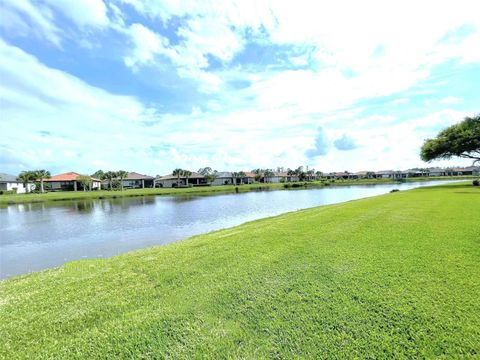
(83, 13)
(22, 17)
(146, 45)
(450, 100)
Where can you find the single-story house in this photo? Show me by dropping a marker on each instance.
(345, 175)
(458, 171)
(10, 183)
(135, 180)
(195, 179)
(365, 175)
(390, 174)
(419, 172)
(281, 176)
(68, 182)
(436, 172)
(223, 178)
(227, 178)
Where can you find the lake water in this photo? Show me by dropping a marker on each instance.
(43, 235)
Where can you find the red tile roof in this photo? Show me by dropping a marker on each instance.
(69, 176)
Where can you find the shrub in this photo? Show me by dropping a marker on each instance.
(476, 182)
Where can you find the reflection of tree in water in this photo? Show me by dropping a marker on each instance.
(124, 204)
(84, 206)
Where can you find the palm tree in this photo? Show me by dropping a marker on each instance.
(205, 171)
(310, 174)
(234, 178)
(85, 180)
(99, 174)
(258, 174)
(121, 174)
(319, 175)
(300, 173)
(212, 176)
(267, 173)
(242, 176)
(291, 173)
(110, 175)
(177, 172)
(42, 175)
(187, 174)
(25, 177)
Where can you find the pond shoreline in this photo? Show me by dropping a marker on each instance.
(6, 200)
(46, 234)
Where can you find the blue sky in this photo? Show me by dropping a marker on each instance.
(149, 86)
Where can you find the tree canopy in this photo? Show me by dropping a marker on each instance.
(462, 140)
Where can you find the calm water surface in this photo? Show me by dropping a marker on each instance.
(39, 236)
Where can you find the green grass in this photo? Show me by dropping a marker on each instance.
(206, 190)
(394, 276)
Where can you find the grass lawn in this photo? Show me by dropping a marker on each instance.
(394, 276)
(77, 195)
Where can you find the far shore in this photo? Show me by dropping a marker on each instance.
(206, 190)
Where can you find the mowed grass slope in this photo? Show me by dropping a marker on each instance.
(391, 276)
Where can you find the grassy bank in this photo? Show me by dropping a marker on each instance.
(391, 276)
(71, 195)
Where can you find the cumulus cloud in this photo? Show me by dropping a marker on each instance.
(345, 143)
(321, 145)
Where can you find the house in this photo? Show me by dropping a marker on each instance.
(69, 182)
(390, 174)
(419, 172)
(228, 178)
(10, 183)
(365, 175)
(345, 175)
(223, 178)
(458, 171)
(436, 172)
(281, 176)
(135, 180)
(195, 179)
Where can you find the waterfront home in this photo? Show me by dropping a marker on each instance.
(345, 175)
(195, 179)
(419, 172)
(228, 178)
(436, 172)
(281, 176)
(69, 182)
(223, 178)
(10, 183)
(138, 181)
(459, 171)
(390, 174)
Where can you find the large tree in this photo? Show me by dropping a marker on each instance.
(462, 140)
